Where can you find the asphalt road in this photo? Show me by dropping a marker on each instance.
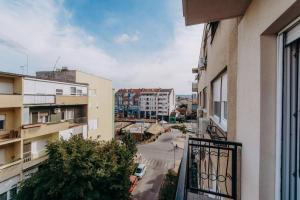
(158, 157)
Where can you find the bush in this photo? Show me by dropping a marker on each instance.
(182, 128)
(168, 189)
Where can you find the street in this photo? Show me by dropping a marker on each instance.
(158, 157)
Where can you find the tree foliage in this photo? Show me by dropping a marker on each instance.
(81, 169)
(182, 128)
(168, 189)
(130, 142)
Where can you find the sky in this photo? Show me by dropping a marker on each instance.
(134, 43)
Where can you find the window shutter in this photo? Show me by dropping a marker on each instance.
(224, 87)
(216, 90)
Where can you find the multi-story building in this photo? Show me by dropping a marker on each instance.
(247, 85)
(127, 103)
(101, 97)
(34, 112)
(148, 103)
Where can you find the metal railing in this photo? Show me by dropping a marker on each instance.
(210, 169)
(27, 157)
(216, 133)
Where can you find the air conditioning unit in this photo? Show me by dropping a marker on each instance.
(203, 123)
(202, 63)
(57, 110)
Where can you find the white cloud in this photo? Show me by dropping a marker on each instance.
(126, 38)
(42, 31)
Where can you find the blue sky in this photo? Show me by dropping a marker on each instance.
(135, 43)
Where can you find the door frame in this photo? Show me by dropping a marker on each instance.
(279, 105)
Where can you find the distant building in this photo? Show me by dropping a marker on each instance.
(127, 103)
(154, 103)
(35, 111)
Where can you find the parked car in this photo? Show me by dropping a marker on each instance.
(133, 183)
(140, 171)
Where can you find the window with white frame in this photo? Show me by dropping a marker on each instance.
(73, 91)
(2, 122)
(79, 92)
(59, 92)
(220, 100)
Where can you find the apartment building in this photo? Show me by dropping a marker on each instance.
(149, 103)
(127, 103)
(34, 112)
(247, 86)
(101, 98)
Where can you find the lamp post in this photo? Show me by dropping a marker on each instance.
(174, 148)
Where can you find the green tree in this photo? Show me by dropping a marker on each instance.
(81, 169)
(168, 189)
(130, 143)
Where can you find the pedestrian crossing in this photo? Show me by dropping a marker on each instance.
(154, 163)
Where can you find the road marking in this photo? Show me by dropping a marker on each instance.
(156, 163)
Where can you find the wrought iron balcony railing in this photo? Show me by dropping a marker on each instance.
(210, 169)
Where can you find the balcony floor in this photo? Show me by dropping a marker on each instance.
(193, 196)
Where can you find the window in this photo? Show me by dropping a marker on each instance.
(43, 117)
(213, 28)
(73, 90)
(59, 92)
(220, 111)
(3, 196)
(2, 122)
(79, 92)
(93, 124)
(12, 192)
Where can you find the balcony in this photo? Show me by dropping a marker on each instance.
(72, 100)
(10, 101)
(36, 130)
(210, 169)
(54, 99)
(12, 136)
(204, 11)
(10, 169)
(38, 99)
(31, 159)
(194, 87)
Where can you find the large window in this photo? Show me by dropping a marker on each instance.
(220, 112)
(2, 122)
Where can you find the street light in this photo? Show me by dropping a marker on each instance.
(175, 148)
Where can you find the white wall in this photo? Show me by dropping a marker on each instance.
(38, 86)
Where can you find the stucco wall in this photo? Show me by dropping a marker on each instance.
(221, 55)
(100, 105)
(258, 173)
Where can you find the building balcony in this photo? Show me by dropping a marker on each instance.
(54, 100)
(210, 169)
(195, 70)
(195, 87)
(31, 159)
(11, 137)
(204, 11)
(72, 100)
(10, 169)
(10, 101)
(36, 130)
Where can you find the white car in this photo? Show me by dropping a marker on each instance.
(140, 170)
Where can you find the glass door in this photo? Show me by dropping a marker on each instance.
(290, 170)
